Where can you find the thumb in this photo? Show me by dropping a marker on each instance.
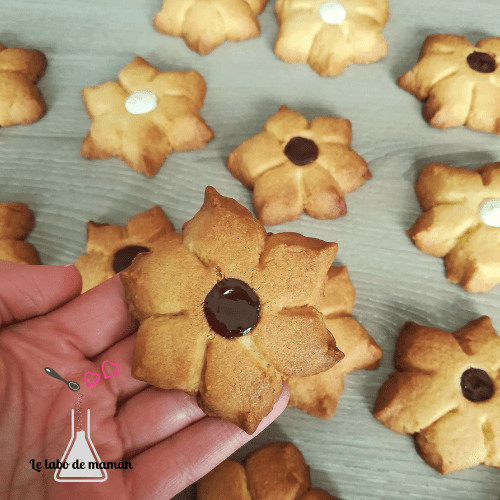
(27, 291)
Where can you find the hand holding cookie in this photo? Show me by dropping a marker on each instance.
(229, 311)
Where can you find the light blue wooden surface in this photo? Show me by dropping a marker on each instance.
(88, 42)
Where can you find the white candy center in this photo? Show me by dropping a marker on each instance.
(332, 12)
(140, 102)
(490, 212)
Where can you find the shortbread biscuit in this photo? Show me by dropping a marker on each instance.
(295, 166)
(459, 82)
(145, 116)
(111, 249)
(318, 394)
(16, 222)
(461, 222)
(205, 24)
(331, 35)
(229, 311)
(277, 471)
(447, 392)
(21, 102)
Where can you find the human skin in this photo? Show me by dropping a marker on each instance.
(45, 322)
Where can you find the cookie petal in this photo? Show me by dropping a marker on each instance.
(439, 183)
(323, 197)
(170, 352)
(330, 52)
(277, 471)
(296, 341)
(474, 261)
(170, 19)
(136, 75)
(223, 234)
(336, 130)
(367, 42)
(296, 36)
(349, 170)
(238, 384)
(285, 124)
(203, 28)
(254, 157)
(16, 221)
(318, 394)
(168, 281)
(149, 225)
(424, 349)
(18, 251)
(445, 44)
(461, 430)
(479, 339)
(485, 108)
(239, 20)
(439, 229)
(106, 98)
(276, 195)
(450, 101)
(360, 350)
(293, 270)
(30, 63)
(227, 480)
(21, 103)
(187, 84)
(94, 269)
(491, 44)
(427, 73)
(339, 293)
(410, 401)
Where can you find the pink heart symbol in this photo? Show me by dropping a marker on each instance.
(94, 377)
(113, 366)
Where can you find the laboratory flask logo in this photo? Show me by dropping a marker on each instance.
(80, 458)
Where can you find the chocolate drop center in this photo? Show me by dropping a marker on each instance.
(125, 256)
(481, 62)
(232, 308)
(301, 151)
(476, 385)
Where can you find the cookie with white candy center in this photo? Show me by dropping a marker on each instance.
(461, 222)
(331, 35)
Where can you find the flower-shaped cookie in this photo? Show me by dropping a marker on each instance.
(447, 392)
(111, 249)
(294, 166)
(20, 101)
(229, 311)
(459, 82)
(330, 35)
(16, 222)
(205, 24)
(145, 116)
(277, 471)
(318, 394)
(461, 222)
